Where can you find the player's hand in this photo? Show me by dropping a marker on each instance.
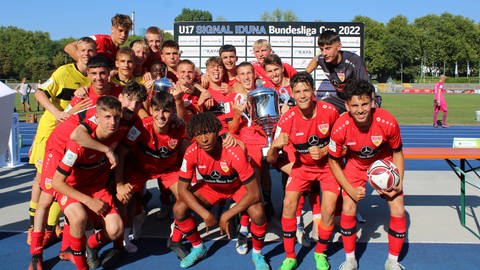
(148, 77)
(280, 141)
(394, 192)
(358, 193)
(177, 91)
(148, 84)
(224, 224)
(228, 140)
(210, 221)
(82, 105)
(112, 158)
(124, 192)
(81, 92)
(61, 116)
(316, 152)
(204, 81)
(284, 108)
(98, 206)
(435, 103)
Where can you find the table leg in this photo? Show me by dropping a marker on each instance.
(462, 192)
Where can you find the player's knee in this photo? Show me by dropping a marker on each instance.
(114, 227)
(289, 206)
(349, 209)
(256, 213)
(180, 210)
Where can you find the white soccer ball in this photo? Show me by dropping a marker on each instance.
(383, 175)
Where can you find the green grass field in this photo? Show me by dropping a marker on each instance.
(413, 109)
(417, 109)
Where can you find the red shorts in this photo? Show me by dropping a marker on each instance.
(213, 196)
(302, 178)
(50, 162)
(138, 179)
(101, 194)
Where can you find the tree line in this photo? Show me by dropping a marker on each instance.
(430, 45)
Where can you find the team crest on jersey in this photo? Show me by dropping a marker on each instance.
(377, 140)
(341, 76)
(48, 183)
(323, 128)
(63, 200)
(172, 143)
(224, 166)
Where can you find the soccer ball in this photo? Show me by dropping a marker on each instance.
(383, 175)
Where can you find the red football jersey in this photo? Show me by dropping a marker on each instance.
(105, 46)
(225, 173)
(155, 152)
(86, 169)
(288, 71)
(364, 147)
(303, 133)
(223, 108)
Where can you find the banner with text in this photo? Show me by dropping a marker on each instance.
(294, 42)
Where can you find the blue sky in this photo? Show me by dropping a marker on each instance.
(62, 18)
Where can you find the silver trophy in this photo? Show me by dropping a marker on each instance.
(162, 85)
(264, 111)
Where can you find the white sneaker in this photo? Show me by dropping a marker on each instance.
(349, 264)
(242, 245)
(393, 265)
(302, 237)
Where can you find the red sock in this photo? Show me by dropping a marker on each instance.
(289, 227)
(65, 237)
(396, 234)
(36, 246)
(258, 235)
(314, 199)
(176, 234)
(348, 228)
(97, 239)
(189, 228)
(78, 249)
(301, 202)
(324, 234)
(244, 219)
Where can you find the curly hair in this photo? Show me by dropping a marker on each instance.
(203, 123)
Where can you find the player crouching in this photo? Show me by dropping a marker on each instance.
(226, 175)
(80, 182)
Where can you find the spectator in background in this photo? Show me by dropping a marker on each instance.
(24, 90)
(439, 103)
(39, 84)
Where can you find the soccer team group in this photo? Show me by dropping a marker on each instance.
(109, 127)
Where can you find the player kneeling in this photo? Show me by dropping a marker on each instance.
(80, 182)
(226, 175)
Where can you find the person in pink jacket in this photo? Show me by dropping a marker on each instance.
(439, 103)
